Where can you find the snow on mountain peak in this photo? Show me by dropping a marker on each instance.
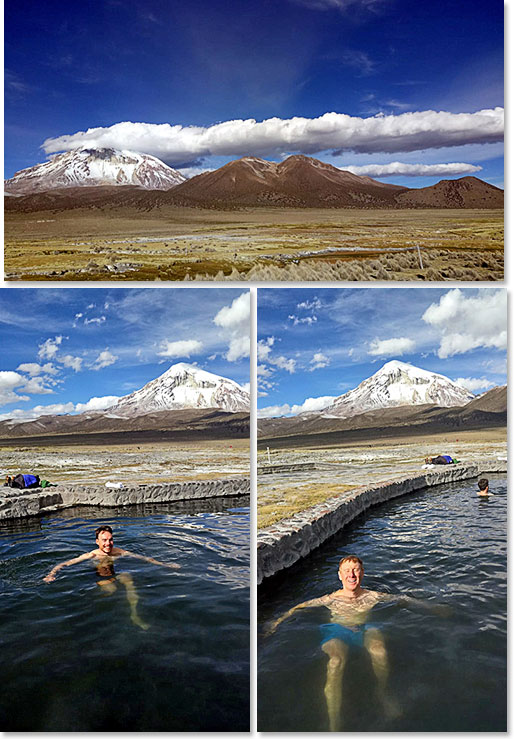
(184, 386)
(398, 383)
(88, 167)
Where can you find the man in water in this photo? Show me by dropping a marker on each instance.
(349, 611)
(105, 554)
(483, 487)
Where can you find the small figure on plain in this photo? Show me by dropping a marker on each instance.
(104, 556)
(441, 459)
(483, 487)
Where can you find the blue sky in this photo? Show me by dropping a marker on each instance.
(316, 344)
(192, 83)
(68, 349)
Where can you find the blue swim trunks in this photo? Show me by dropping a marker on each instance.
(352, 636)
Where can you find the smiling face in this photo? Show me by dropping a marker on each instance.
(351, 574)
(105, 542)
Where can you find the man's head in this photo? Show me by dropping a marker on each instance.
(483, 485)
(104, 539)
(351, 572)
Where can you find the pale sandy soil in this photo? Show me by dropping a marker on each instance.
(361, 464)
(130, 463)
(255, 244)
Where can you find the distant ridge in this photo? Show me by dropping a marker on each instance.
(297, 182)
(486, 411)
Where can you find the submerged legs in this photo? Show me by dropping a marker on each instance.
(337, 652)
(133, 599)
(374, 643)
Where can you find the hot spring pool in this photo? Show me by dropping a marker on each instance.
(446, 673)
(72, 660)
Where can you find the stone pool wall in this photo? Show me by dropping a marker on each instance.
(21, 503)
(284, 543)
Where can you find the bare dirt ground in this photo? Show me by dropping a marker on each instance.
(254, 244)
(361, 463)
(130, 463)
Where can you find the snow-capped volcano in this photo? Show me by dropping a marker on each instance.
(184, 386)
(91, 167)
(395, 384)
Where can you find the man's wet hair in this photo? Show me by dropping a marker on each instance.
(102, 528)
(350, 558)
(483, 483)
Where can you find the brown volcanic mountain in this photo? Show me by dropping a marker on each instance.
(487, 411)
(297, 182)
(467, 192)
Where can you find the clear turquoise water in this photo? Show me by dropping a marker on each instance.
(72, 660)
(442, 545)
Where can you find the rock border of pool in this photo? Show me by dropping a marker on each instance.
(37, 501)
(286, 542)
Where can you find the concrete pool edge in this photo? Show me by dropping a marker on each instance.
(284, 543)
(36, 502)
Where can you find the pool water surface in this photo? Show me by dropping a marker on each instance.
(447, 670)
(73, 660)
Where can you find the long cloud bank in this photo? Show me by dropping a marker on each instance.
(332, 131)
(413, 170)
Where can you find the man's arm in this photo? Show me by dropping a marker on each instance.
(51, 575)
(270, 628)
(171, 565)
(406, 601)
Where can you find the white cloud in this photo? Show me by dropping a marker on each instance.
(49, 348)
(33, 369)
(104, 359)
(39, 410)
(308, 319)
(8, 381)
(97, 404)
(318, 361)
(391, 347)
(184, 348)
(264, 355)
(314, 304)
(264, 348)
(99, 320)
(310, 404)
(36, 386)
(264, 371)
(474, 384)
(289, 365)
(313, 404)
(235, 320)
(239, 347)
(272, 411)
(413, 170)
(75, 363)
(412, 131)
(467, 323)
